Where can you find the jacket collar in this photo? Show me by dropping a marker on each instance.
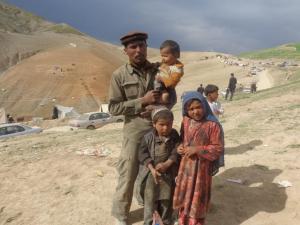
(131, 68)
(159, 139)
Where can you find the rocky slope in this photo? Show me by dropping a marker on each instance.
(43, 64)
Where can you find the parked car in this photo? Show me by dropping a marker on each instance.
(16, 129)
(94, 120)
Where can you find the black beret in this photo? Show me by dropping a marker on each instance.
(133, 36)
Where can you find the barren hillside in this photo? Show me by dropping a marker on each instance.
(43, 64)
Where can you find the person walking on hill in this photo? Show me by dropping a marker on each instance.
(200, 89)
(231, 87)
(131, 90)
(10, 119)
(253, 86)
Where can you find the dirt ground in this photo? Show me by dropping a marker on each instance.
(44, 180)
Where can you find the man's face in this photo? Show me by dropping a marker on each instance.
(136, 52)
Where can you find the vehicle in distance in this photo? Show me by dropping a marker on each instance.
(16, 129)
(94, 120)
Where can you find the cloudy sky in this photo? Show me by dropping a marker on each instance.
(230, 26)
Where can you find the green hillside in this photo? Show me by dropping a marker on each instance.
(63, 28)
(288, 51)
(291, 86)
(15, 20)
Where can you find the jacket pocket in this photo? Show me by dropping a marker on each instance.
(131, 89)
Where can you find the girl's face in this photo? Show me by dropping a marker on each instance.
(167, 56)
(195, 110)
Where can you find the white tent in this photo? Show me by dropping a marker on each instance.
(104, 108)
(66, 112)
(3, 118)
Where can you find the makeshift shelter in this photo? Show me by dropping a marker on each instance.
(104, 108)
(66, 112)
(3, 118)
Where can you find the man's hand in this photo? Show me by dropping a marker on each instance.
(150, 98)
(148, 111)
(180, 149)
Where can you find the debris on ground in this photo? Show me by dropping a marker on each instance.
(100, 173)
(100, 151)
(238, 181)
(10, 219)
(284, 184)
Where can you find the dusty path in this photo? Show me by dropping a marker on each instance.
(265, 80)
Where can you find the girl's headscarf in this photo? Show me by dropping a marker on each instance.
(187, 96)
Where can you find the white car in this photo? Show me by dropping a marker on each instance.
(94, 120)
(16, 129)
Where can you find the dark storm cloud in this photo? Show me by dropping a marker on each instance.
(229, 26)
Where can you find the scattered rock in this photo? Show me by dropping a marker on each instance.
(101, 151)
(100, 173)
(284, 184)
(238, 181)
(10, 219)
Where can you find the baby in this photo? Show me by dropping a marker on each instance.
(170, 70)
(169, 74)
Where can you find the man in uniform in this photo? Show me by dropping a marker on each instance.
(131, 90)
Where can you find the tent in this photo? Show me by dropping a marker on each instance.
(104, 108)
(3, 118)
(66, 112)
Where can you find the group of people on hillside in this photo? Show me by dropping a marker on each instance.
(172, 171)
(211, 92)
(229, 90)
